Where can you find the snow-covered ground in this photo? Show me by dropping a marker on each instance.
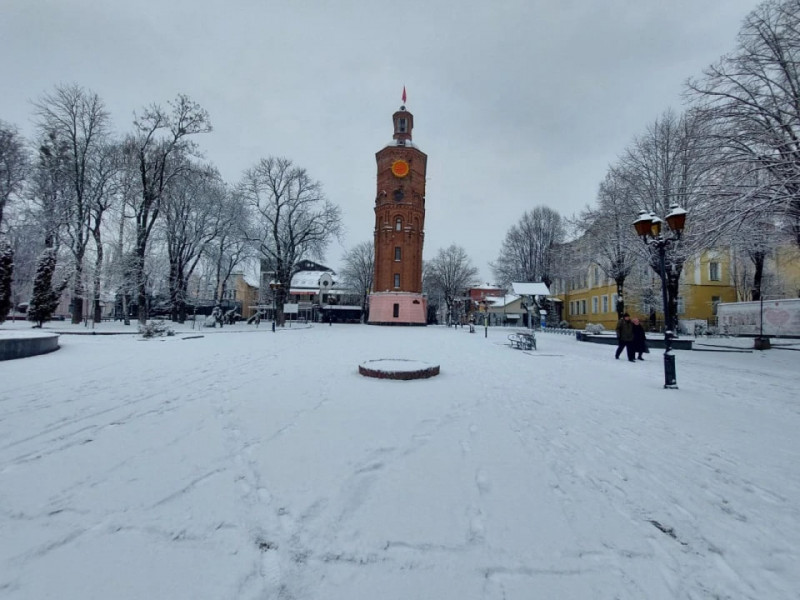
(251, 464)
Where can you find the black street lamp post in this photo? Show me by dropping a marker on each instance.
(274, 285)
(648, 227)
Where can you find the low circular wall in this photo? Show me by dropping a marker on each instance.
(386, 368)
(29, 344)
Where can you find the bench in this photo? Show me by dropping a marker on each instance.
(523, 341)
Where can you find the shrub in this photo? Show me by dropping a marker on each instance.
(595, 327)
(157, 328)
(564, 325)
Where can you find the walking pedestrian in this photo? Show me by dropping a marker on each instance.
(625, 337)
(639, 339)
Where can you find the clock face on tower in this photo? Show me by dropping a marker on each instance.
(400, 168)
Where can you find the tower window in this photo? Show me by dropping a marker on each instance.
(397, 252)
(398, 224)
(713, 271)
(395, 310)
(397, 280)
(402, 125)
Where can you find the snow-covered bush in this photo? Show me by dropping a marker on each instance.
(564, 325)
(156, 328)
(595, 327)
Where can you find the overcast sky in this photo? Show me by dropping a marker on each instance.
(517, 103)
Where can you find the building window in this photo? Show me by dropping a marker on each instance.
(681, 305)
(395, 310)
(605, 304)
(397, 280)
(594, 304)
(596, 276)
(397, 253)
(714, 304)
(713, 271)
(402, 125)
(614, 302)
(398, 224)
(583, 307)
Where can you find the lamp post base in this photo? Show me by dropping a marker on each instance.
(670, 377)
(762, 343)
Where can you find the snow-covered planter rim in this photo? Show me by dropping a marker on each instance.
(16, 334)
(398, 368)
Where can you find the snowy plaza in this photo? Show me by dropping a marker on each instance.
(242, 463)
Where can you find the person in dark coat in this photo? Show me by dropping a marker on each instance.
(639, 339)
(625, 337)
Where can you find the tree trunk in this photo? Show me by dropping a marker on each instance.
(758, 277)
(141, 282)
(125, 318)
(620, 301)
(174, 291)
(77, 292)
(98, 266)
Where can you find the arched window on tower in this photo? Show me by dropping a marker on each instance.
(398, 224)
(402, 125)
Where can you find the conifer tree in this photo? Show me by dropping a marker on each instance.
(6, 271)
(45, 298)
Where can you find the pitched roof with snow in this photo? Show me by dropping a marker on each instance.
(530, 289)
(309, 279)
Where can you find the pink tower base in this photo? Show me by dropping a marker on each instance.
(397, 308)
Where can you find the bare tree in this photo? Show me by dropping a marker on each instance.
(290, 218)
(529, 249)
(14, 164)
(49, 189)
(610, 240)
(78, 122)
(190, 208)
(107, 177)
(229, 247)
(449, 274)
(358, 270)
(672, 163)
(157, 152)
(754, 94)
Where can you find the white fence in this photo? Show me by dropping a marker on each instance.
(772, 317)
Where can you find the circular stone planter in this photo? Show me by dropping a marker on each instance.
(398, 368)
(19, 344)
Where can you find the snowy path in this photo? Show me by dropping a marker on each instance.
(259, 465)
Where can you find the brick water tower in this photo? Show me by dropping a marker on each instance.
(396, 297)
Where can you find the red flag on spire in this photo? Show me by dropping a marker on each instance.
(404, 94)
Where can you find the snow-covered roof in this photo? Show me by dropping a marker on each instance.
(530, 289)
(501, 301)
(309, 279)
(486, 286)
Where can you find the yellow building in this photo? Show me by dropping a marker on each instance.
(705, 282)
(784, 262)
(589, 296)
(244, 292)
